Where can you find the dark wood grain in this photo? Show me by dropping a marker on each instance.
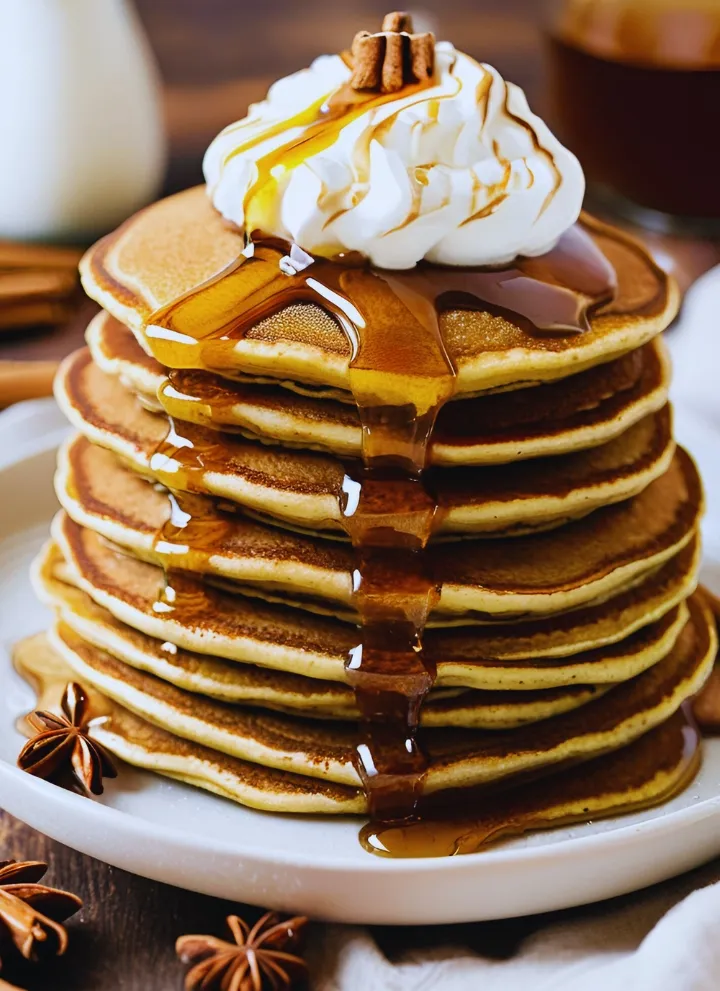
(124, 938)
(216, 56)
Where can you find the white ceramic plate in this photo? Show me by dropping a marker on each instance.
(176, 834)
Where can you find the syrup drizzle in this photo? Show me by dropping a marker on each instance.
(400, 375)
(610, 785)
(555, 293)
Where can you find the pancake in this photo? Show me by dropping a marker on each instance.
(456, 757)
(281, 692)
(233, 681)
(646, 771)
(542, 573)
(177, 244)
(304, 490)
(575, 413)
(461, 662)
(236, 628)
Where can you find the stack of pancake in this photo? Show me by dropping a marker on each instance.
(202, 579)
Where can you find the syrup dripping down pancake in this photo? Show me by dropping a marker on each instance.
(551, 572)
(295, 695)
(645, 772)
(232, 681)
(572, 414)
(653, 769)
(301, 488)
(180, 243)
(285, 692)
(457, 758)
(247, 630)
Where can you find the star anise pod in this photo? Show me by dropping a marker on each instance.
(31, 913)
(63, 744)
(263, 958)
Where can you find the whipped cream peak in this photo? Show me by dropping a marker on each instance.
(457, 171)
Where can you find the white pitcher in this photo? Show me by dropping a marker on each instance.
(82, 143)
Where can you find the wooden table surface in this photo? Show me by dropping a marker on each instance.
(216, 56)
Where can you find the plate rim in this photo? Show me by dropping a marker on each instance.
(671, 821)
(41, 427)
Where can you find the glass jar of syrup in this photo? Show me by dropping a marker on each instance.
(635, 92)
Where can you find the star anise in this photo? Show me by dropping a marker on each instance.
(63, 744)
(31, 913)
(263, 958)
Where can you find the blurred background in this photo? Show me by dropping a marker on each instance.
(216, 56)
(107, 104)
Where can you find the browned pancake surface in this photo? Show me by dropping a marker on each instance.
(177, 244)
(465, 664)
(324, 748)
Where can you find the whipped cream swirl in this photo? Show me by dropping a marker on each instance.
(460, 172)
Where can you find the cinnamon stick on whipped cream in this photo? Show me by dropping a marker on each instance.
(394, 57)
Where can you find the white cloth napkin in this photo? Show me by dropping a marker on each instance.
(663, 939)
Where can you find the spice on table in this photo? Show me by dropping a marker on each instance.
(63, 745)
(31, 913)
(39, 284)
(262, 958)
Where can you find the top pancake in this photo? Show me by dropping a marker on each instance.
(177, 244)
